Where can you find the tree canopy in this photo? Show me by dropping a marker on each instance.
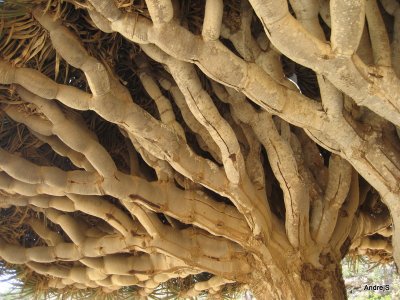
(204, 146)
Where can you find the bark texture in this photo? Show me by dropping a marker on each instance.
(220, 144)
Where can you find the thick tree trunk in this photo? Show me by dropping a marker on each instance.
(310, 283)
(174, 172)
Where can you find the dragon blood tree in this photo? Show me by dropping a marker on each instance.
(205, 145)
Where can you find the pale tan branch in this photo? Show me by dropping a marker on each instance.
(43, 130)
(335, 194)
(36, 123)
(12, 186)
(78, 274)
(148, 219)
(393, 8)
(346, 214)
(282, 162)
(126, 187)
(75, 54)
(242, 38)
(82, 275)
(212, 20)
(78, 159)
(164, 143)
(378, 34)
(193, 207)
(71, 226)
(294, 41)
(161, 11)
(254, 165)
(44, 87)
(375, 244)
(73, 133)
(364, 50)
(19, 255)
(307, 14)
(98, 207)
(29, 173)
(203, 136)
(214, 282)
(313, 159)
(142, 264)
(50, 237)
(250, 78)
(204, 110)
(167, 115)
(365, 224)
(191, 246)
(347, 21)
(164, 171)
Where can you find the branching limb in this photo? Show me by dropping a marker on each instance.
(44, 87)
(43, 130)
(19, 255)
(160, 141)
(148, 219)
(332, 101)
(191, 246)
(365, 224)
(346, 215)
(378, 34)
(368, 243)
(71, 226)
(73, 52)
(307, 14)
(204, 110)
(192, 204)
(212, 20)
(324, 221)
(203, 136)
(386, 232)
(295, 42)
(268, 58)
(188, 240)
(254, 165)
(195, 208)
(347, 22)
(247, 77)
(163, 169)
(285, 167)
(50, 237)
(313, 159)
(282, 162)
(78, 159)
(83, 275)
(167, 115)
(161, 11)
(364, 50)
(36, 123)
(170, 245)
(393, 8)
(214, 282)
(80, 182)
(133, 158)
(98, 207)
(73, 133)
(242, 38)
(142, 264)
(13, 186)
